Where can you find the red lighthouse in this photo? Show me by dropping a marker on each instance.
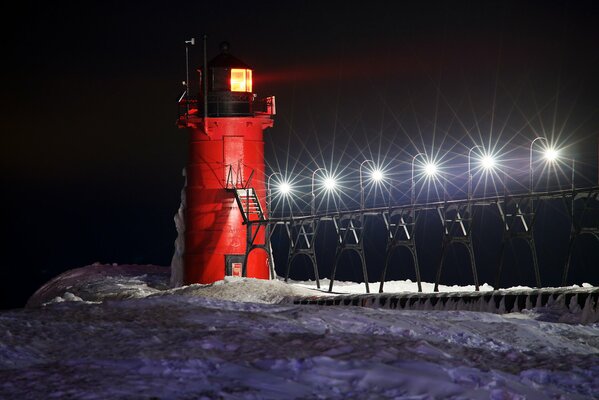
(225, 229)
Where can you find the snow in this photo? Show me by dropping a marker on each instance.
(405, 286)
(121, 332)
(389, 287)
(176, 279)
(98, 282)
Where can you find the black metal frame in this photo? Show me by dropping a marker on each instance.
(400, 234)
(517, 212)
(457, 228)
(350, 236)
(302, 238)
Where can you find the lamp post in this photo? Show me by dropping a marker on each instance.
(573, 176)
(268, 191)
(313, 203)
(530, 171)
(284, 188)
(469, 194)
(413, 184)
(487, 162)
(361, 181)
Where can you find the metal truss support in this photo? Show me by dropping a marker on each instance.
(350, 236)
(255, 221)
(590, 202)
(518, 218)
(270, 228)
(253, 228)
(457, 228)
(302, 237)
(400, 225)
(517, 213)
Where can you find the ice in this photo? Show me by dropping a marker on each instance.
(131, 336)
(176, 278)
(389, 287)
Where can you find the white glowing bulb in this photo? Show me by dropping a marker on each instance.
(488, 162)
(377, 175)
(551, 154)
(329, 183)
(284, 188)
(430, 169)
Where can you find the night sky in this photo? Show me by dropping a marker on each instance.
(91, 159)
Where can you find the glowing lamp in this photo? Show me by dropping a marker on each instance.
(487, 162)
(551, 154)
(284, 188)
(377, 175)
(430, 169)
(329, 183)
(241, 80)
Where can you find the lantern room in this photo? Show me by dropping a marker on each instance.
(241, 80)
(229, 83)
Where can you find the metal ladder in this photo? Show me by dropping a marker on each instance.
(249, 205)
(255, 221)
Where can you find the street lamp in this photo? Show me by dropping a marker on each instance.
(375, 174)
(313, 203)
(378, 176)
(430, 169)
(284, 188)
(573, 175)
(268, 191)
(329, 183)
(550, 154)
(487, 161)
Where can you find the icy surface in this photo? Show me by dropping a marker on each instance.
(403, 286)
(99, 282)
(190, 343)
(177, 259)
(389, 287)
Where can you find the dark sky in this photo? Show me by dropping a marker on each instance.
(91, 159)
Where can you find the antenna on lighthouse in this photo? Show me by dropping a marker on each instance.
(205, 73)
(191, 42)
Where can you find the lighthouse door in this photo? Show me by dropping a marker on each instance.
(233, 161)
(234, 265)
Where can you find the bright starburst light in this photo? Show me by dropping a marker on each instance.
(377, 175)
(430, 169)
(329, 183)
(487, 162)
(551, 154)
(284, 188)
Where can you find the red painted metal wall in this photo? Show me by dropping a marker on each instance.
(227, 154)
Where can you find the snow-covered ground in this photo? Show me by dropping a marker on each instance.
(118, 332)
(342, 287)
(389, 287)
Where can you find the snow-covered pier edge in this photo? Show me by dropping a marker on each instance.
(574, 305)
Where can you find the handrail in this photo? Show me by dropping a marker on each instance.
(247, 183)
(186, 109)
(477, 201)
(239, 183)
(229, 178)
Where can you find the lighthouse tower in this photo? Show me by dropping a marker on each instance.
(225, 196)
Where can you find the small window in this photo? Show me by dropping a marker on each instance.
(241, 80)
